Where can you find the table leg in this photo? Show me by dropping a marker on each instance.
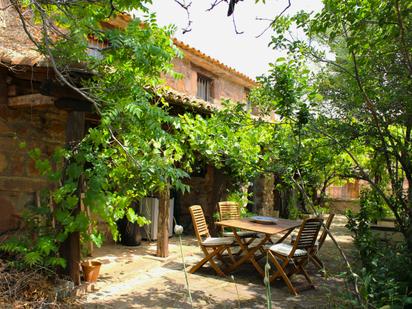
(286, 235)
(249, 254)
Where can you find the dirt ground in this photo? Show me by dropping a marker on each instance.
(132, 277)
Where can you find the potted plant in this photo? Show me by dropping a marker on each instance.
(90, 270)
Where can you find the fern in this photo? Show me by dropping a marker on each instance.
(46, 245)
(56, 261)
(13, 246)
(32, 258)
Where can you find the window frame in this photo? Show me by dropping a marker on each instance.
(203, 81)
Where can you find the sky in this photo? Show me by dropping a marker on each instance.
(213, 32)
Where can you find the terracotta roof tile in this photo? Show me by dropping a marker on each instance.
(216, 62)
(175, 97)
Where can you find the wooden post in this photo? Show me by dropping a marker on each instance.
(70, 249)
(163, 223)
(89, 229)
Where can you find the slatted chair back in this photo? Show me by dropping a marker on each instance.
(199, 222)
(324, 233)
(228, 211)
(308, 233)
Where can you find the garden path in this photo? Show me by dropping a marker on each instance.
(132, 277)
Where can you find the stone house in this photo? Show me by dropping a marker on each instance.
(37, 109)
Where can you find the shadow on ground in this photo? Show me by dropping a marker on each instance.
(134, 279)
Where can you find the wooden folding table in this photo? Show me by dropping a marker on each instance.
(281, 226)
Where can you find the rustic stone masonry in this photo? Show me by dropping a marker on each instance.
(263, 195)
(42, 128)
(221, 87)
(206, 190)
(225, 82)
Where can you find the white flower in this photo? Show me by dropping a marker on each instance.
(178, 229)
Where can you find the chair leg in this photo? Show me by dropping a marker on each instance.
(249, 241)
(196, 267)
(217, 269)
(316, 261)
(261, 255)
(200, 264)
(229, 251)
(305, 273)
(220, 258)
(209, 258)
(301, 269)
(281, 272)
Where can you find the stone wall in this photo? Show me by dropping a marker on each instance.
(188, 83)
(340, 206)
(264, 200)
(42, 128)
(222, 87)
(205, 191)
(227, 89)
(350, 190)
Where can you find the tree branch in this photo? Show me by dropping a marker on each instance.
(186, 7)
(272, 22)
(214, 4)
(234, 25)
(376, 119)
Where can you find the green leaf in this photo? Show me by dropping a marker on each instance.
(46, 245)
(57, 261)
(32, 258)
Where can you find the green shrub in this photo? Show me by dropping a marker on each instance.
(37, 244)
(374, 206)
(242, 198)
(385, 273)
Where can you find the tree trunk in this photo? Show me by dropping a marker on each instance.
(163, 225)
(70, 249)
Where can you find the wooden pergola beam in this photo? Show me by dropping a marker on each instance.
(31, 100)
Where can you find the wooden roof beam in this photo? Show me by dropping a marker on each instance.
(31, 100)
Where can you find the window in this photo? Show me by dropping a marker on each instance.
(204, 88)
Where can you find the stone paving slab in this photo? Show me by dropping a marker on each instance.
(132, 277)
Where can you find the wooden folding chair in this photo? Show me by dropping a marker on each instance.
(231, 211)
(212, 247)
(313, 255)
(290, 259)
